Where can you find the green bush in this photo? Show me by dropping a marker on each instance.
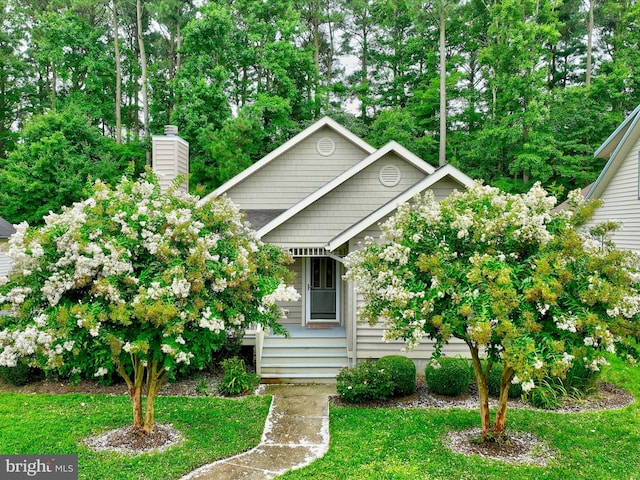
(235, 378)
(581, 378)
(493, 383)
(21, 374)
(403, 373)
(448, 376)
(364, 382)
(550, 393)
(547, 395)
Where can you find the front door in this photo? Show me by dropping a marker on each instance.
(322, 290)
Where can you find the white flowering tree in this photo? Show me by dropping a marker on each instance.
(517, 283)
(136, 282)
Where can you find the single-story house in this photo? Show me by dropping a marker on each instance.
(6, 230)
(318, 195)
(618, 185)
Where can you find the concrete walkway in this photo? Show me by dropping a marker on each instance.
(295, 434)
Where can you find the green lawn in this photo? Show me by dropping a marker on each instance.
(407, 444)
(213, 428)
(365, 443)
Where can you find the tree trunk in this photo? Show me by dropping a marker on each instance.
(500, 421)
(116, 51)
(587, 81)
(143, 70)
(443, 87)
(483, 391)
(155, 380)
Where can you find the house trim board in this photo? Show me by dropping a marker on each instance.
(621, 135)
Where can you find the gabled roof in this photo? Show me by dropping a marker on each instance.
(6, 229)
(389, 207)
(323, 122)
(392, 146)
(616, 147)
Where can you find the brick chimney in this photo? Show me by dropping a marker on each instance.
(170, 157)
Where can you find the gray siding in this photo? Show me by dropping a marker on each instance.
(368, 339)
(621, 202)
(170, 159)
(345, 205)
(5, 263)
(296, 173)
(294, 316)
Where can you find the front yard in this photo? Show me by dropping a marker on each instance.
(366, 443)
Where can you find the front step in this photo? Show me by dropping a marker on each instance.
(304, 357)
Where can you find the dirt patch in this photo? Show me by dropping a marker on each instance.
(128, 440)
(518, 448)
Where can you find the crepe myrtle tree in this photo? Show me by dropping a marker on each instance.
(519, 284)
(138, 282)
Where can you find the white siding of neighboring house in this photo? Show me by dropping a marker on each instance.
(621, 202)
(345, 205)
(296, 174)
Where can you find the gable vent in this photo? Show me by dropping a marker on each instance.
(389, 176)
(326, 146)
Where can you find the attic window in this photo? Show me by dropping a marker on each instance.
(389, 176)
(326, 146)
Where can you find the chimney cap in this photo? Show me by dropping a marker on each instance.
(170, 130)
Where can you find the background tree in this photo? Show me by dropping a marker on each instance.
(60, 152)
(136, 282)
(505, 275)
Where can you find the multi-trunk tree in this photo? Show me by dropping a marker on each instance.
(522, 286)
(136, 283)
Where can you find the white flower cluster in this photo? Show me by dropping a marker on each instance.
(567, 323)
(23, 343)
(214, 324)
(283, 293)
(396, 253)
(629, 307)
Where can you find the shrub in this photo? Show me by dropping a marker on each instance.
(551, 392)
(448, 376)
(403, 373)
(493, 383)
(21, 374)
(547, 395)
(364, 382)
(581, 378)
(235, 378)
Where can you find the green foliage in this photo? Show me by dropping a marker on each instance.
(21, 374)
(551, 392)
(448, 376)
(235, 378)
(548, 395)
(139, 283)
(365, 382)
(403, 373)
(507, 276)
(493, 383)
(60, 153)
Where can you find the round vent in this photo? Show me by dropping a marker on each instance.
(389, 176)
(326, 146)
